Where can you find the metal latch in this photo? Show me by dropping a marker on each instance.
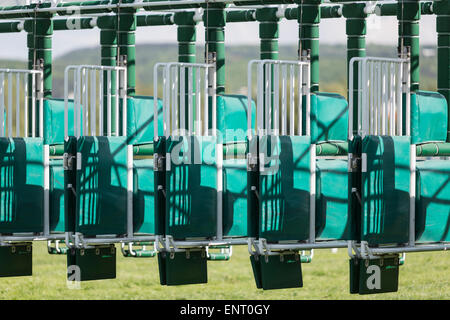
(355, 164)
(68, 161)
(159, 162)
(252, 162)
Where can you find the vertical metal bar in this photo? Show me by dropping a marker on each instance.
(33, 106)
(172, 95)
(164, 100)
(155, 101)
(291, 100)
(183, 100)
(205, 103)
(359, 93)
(25, 110)
(10, 112)
(18, 104)
(301, 85)
(308, 102)
(284, 99)
(46, 189)
(123, 93)
(108, 109)
(383, 97)
(408, 97)
(93, 101)
(101, 103)
(130, 230)
(398, 95)
(41, 104)
(373, 126)
(350, 99)
(276, 98)
(267, 104)
(2, 104)
(176, 125)
(85, 114)
(214, 101)
(249, 100)
(118, 79)
(260, 98)
(391, 101)
(363, 99)
(66, 103)
(198, 103)
(190, 91)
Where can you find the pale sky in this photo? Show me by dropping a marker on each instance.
(381, 30)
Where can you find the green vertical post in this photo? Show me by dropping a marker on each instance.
(108, 43)
(408, 16)
(126, 37)
(39, 42)
(355, 29)
(308, 18)
(268, 32)
(186, 36)
(442, 9)
(214, 19)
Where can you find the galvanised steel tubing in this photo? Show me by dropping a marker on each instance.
(307, 246)
(416, 248)
(442, 9)
(32, 237)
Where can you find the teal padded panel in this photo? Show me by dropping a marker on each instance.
(433, 201)
(21, 185)
(232, 117)
(235, 197)
(428, 117)
(143, 198)
(54, 120)
(385, 190)
(284, 188)
(140, 118)
(56, 195)
(102, 186)
(191, 201)
(332, 211)
(329, 117)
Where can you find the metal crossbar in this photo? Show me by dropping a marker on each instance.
(281, 85)
(186, 90)
(15, 92)
(89, 94)
(383, 88)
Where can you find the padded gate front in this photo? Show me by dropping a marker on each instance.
(191, 180)
(285, 188)
(385, 190)
(101, 186)
(22, 185)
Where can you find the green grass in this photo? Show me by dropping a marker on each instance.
(424, 276)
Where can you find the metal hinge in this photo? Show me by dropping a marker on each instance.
(252, 162)
(355, 164)
(68, 161)
(159, 162)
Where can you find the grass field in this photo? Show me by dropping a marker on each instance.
(424, 276)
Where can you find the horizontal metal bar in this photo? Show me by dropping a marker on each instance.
(308, 246)
(416, 248)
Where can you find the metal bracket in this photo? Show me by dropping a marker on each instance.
(68, 161)
(159, 162)
(252, 162)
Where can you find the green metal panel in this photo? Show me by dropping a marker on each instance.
(329, 117)
(54, 120)
(277, 271)
(22, 185)
(432, 201)
(191, 203)
(284, 188)
(16, 260)
(141, 119)
(180, 268)
(332, 212)
(428, 117)
(232, 117)
(144, 197)
(102, 186)
(56, 195)
(385, 190)
(374, 276)
(235, 197)
(94, 263)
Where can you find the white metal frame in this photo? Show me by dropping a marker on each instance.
(18, 92)
(88, 91)
(383, 84)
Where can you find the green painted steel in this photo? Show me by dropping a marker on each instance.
(10, 27)
(22, 185)
(143, 196)
(57, 222)
(180, 268)
(154, 20)
(390, 9)
(146, 149)
(332, 211)
(54, 120)
(374, 275)
(432, 201)
(408, 16)
(329, 117)
(16, 260)
(385, 190)
(235, 198)
(96, 263)
(241, 15)
(234, 150)
(277, 271)
(355, 28)
(433, 149)
(126, 22)
(214, 19)
(56, 149)
(284, 188)
(191, 201)
(268, 32)
(140, 118)
(308, 18)
(332, 149)
(428, 117)
(101, 186)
